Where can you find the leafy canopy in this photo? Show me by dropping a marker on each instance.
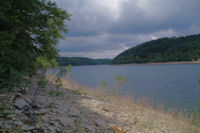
(28, 29)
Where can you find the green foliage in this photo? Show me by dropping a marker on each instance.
(135, 120)
(68, 97)
(58, 81)
(62, 73)
(104, 83)
(44, 63)
(119, 82)
(28, 30)
(66, 70)
(195, 118)
(14, 79)
(77, 123)
(77, 61)
(56, 93)
(199, 80)
(42, 83)
(75, 92)
(38, 118)
(196, 111)
(5, 111)
(162, 50)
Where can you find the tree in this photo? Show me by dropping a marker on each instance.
(162, 50)
(28, 29)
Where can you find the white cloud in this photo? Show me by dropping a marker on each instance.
(95, 55)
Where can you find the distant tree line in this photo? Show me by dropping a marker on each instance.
(162, 50)
(77, 61)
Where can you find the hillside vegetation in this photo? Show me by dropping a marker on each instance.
(77, 61)
(162, 50)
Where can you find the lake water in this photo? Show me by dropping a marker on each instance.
(174, 85)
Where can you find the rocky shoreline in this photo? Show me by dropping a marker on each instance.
(82, 110)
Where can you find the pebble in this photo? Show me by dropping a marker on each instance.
(27, 128)
(100, 123)
(45, 119)
(20, 103)
(7, 126)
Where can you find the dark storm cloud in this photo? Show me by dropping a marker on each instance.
(103, 28)
(144, 16)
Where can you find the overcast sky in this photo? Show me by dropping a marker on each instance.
(105, 28)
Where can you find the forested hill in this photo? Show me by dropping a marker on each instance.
(162, 50)
(77, 61)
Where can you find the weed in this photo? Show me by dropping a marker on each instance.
(77, 123)
(5, 111)
(150, 123)
(38, 119)
(135, 120)
(196, 114)
(75, 92)
(119, 82)
(67, 98)
(56, 93)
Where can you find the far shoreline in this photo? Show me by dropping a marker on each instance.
(150, 63)
(161, 63)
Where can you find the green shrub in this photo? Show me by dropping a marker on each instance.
(119, 82)
(56, 93)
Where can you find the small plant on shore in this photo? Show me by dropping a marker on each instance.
(75, 92)
(5, 111)
(63, 72)
(55, 93)
(43, 63)
(104, 84)
(58, 81)
(135, 120)
(68, 97)
(195, 112)
(119, 82)
(77, 123)
(38, 118)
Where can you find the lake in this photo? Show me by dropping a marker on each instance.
(174, 85)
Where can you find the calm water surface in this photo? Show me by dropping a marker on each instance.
(174, 85)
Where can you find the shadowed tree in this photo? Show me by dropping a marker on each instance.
(28, 29)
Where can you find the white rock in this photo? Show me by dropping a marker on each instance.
(20, 103)
(27, 128)
(45, 119)
(8, 126)
(91, 128)
(67, 122)
(52, 129)
(100, 123)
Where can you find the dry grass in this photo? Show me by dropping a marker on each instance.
(138, 115)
